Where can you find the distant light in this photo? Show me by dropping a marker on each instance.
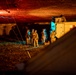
(71, 26)
(4, 12)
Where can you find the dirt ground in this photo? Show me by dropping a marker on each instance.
(13, 54)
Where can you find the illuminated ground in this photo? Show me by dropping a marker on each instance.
(13, 54)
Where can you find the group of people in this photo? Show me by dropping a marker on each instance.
(33, 37)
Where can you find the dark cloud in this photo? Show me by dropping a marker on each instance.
(34, 4)
(39, 8)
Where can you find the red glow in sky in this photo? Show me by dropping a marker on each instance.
(37, 9)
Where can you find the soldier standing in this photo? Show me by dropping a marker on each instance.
(36, 37)
(43, 37)
(52, 37)
(32, 36)
(27, 36)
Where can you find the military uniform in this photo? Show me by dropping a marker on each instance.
(43, 37)
(27, 37)
(32, 37)
(52, 37)
(36, 37)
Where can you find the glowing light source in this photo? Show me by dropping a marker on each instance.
(2, 12)
(71, 26)
(52, 27)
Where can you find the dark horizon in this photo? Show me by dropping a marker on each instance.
(9, 19)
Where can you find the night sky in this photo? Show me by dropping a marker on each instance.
(37, 10)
